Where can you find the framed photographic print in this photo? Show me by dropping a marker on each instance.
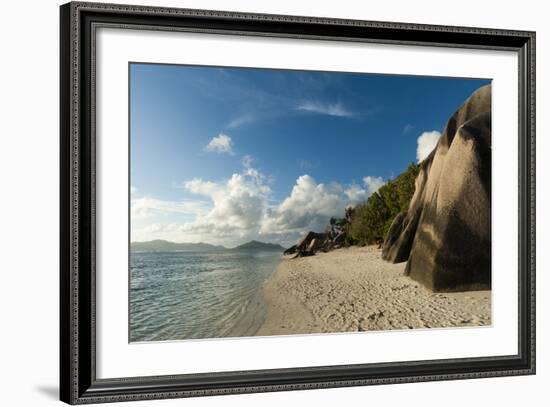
(256, 203)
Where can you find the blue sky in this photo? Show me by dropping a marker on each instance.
(225, 155)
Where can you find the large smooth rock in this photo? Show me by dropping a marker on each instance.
(309, 244)
(398, 242)
(445, 236)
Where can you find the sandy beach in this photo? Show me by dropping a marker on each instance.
(353, 289)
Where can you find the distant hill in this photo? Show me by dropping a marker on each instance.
(166, 246)
(260, 246)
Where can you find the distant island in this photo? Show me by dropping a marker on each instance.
(166, 246)
(260, 246)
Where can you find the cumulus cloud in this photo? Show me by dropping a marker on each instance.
(373, 184)
(224, 211)
(426, 143)
(238, 204)
(330, 109)
(310, 205)
(356, 194)
(220, 144)
(241, 208)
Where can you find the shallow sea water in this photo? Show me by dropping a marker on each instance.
(196, 295)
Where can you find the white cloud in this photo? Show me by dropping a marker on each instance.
(162, 228)
(241, 208)
(158, 230)
(330, 109)
(426, 143)
(247, 161)
(227, 211)
(373, 184)
(356, 194)
(133, 190)
(310, 205)
(238, 204)
(222, 143)
(239, 121)
(146, 207)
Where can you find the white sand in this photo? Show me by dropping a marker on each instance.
(353, 289)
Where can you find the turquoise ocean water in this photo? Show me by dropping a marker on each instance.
(195, 295)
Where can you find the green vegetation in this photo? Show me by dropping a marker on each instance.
(369, 222)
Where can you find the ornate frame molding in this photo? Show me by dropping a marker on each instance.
(79, 21)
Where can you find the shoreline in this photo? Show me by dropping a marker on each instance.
(353, 289)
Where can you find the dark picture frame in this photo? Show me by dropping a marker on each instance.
(78, 381)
